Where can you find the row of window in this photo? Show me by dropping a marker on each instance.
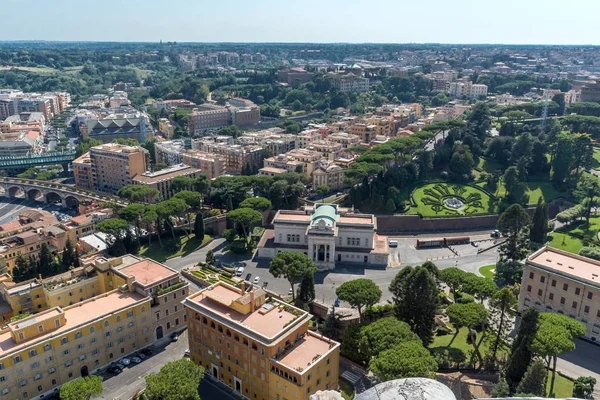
(590, 295)
(586, 309)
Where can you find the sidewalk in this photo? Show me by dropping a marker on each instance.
(355, 374)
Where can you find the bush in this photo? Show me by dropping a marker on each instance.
(465, 298)
(227, 274)
(229, 235)
(238, 247)
(590, 252)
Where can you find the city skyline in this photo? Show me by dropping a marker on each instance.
(308, 22)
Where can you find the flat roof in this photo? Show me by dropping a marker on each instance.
(268, 324)
(165, 174)
(568, 264)
(148, 272)
(280, 217)
(78, 314)
(365, 220)
(304, 351)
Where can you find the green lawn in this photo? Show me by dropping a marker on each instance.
(430, 200)
(563, 387)
(486, 271)
(461, 343)
(565, 242)
(160, 254)
(596, 160)
(536, 188)
(347, 389)
(489, 166)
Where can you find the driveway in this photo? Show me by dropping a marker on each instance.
(194, 258)
(131, 380)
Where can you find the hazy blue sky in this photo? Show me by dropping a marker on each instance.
(381, 21)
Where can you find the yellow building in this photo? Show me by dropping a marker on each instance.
(29, 243)
(41, 352)
(161, 180)
(82, 171)
(366, 132)
(330, 175)
(115, 165)
(565, 283)
(258, 346)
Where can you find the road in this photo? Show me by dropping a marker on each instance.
(10, 208)
(583, 361)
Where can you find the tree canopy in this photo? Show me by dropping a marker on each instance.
(359, 293)
(177, 380)
(293, 266)
(82, 388)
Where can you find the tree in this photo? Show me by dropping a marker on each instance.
(149, 219)
(587, 191)
(256, 203)
(534, 380)
(462, 161)
(177, 380)
(520, 354)
(82, 388)
(501, 389)
(564, 157)
(453, 277)
(133, 214)
(307, 288)
(479, 287)
(45, 262)
(180, 183)
(404, 360)
(350, 343)
(114, 227)
(512, 182)
(469, 315)
(554, 336)
(246, 218)
(416, 299)
(292, 266)
(199, 227)
(139, 193)
(383, 334)
(68, 254)
(539, 227)
(359, 293)
(210, 257)
(170, 208)
(513, 223)
(502, 308)
(584, 387)
(322, 190)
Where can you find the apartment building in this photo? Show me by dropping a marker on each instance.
(285, 163)
(119, 99)
(213, 165)
(330, 175)
(175, 103)
(42, 352)
(273, 140)
(85, 224)
(472, 91)
(30, 219)
(169, 152)
(260, 347)
(271, 171)
(344, 139)
(329, 150)
(162, 180)
(236, 156)
(310, 159)
(565, 283)
(590, 91)
(28, 244)
(366, 132)
(166, 128)
(20, 143)
(82, 170)
(114, 165)
(350, 83)
(327, 234)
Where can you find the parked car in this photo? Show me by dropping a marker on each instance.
(256, 280)
(248, 277)
(186, 353)
(174, 337)
(239, 271)
(136, 360)
(125, 361)
(393, 243)
(115, 370)
(141, 355)
(147, 351)
(475, 244)
(290, 292)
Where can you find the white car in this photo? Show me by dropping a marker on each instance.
(136, 360)
(239, 271)
(186, 353)
(125, 361)
(256, 280)
(393, 243)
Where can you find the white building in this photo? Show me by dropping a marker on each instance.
(328, 235)
(468, 89)
(351, 83)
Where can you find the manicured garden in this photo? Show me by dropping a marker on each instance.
(445, 200)
(487, 271)
(160, 254)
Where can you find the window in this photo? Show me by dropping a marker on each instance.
(66, 352)
(590, 295)
(5, 390)
(577, 291)
(47, 347)
(531, 275)
(118, 318)
(130, 324)
(80, 346)
(540, 292)
(18, 359)
(107, 334)
(23, 382)
(129, 314)
(37, 377)
(3, 378)
(78, 335)
(551, 296)
(40, 328)
(106, 323)
(32, 353)
(529, 288)
(82, 357)
(574, 304)
(120, 329)
(51, 370)
(35, 365)
(586, 309)
(64, 340)
(94, 340)
(95, 351)
(542, 279)
(566, 286)
(553, 282)
(49, 359)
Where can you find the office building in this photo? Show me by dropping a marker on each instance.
(213, 165)
(114, 165)
(258, 346)
(565, 283)
(350, 83)
(208, 117)
(328, 235)
(162, 179)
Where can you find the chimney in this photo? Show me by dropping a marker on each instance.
(252, 301)
(243, 288)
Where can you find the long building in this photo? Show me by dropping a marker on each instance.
(258, 346)
(161, 180)
(565, 283)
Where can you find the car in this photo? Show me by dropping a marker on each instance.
(186, 353)
(393, 243)
(239, 271)
(475, 244)
(174, 337)
(256, 280)
(248, 277)
(125, 361)
(141, 355)
(147, 351)
(115, 370)
(136, 360)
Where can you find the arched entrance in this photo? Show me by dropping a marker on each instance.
(34, 194)
(15, 191)
(84, 371)
(159, 332)
(53, 198)
(72, 202)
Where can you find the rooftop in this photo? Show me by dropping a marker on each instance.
(267, 321)
(165, 174)
(567, 264)
(147, 272)
(305, 351)
(78, 314)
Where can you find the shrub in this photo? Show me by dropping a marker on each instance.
(590, 252)
(229, 235)
(465, 298)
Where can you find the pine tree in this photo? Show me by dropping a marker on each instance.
(534, 381)
(45, 261)
(76, 263)
(521, 355)
(199, 227)
(539, 228)
(307, 288)
(210, 257)
(67, 255)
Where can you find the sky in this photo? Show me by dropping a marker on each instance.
(316, 21)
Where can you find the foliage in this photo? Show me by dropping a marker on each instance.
(469, 315)
(307, 288)
(416, 296)
(404, 360)
(359, 293)
(501, 389)
(383, 334)
(513, 223)
(138, 193)
(199, 225)
(502, 308)
(350, 344)
(479, 287)
(293, 266)
(539, 227)
(534, 380)
(159, 386)
(82, 388)
(583, 387)
(590, 252)
(256, 203)
(520, 354)
(454, 278)
(245, 218)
